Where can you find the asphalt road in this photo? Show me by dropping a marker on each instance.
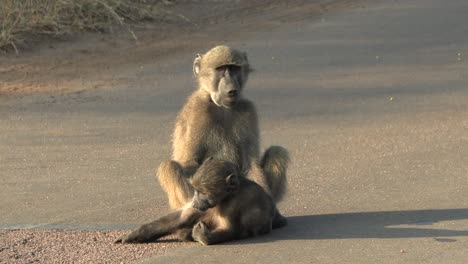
(372, 103)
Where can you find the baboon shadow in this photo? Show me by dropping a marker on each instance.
(387, 224)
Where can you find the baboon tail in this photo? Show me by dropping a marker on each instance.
(275, 163)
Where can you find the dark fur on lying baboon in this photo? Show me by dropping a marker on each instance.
(217, 121)
(224, 207)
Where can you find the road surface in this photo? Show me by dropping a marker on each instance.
(372, 103)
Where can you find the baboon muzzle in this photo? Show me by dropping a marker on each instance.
(202, 205)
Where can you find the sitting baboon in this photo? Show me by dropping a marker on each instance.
(217, 121)
(224, 207)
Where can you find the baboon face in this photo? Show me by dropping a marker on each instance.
(213, 182)
(222, 72)
(203, 201)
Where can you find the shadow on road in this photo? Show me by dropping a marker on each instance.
(391, 224)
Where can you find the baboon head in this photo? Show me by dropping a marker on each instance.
(222, 72)
(214, 181)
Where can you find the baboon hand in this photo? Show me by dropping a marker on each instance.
(123, 239)
(119, 240)
(129, 238)
(200, 233)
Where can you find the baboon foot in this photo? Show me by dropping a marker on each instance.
(184, 234)
(200, 233)
(279, 221)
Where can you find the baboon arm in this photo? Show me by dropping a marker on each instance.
(189, 150)
(217, 236)
(190, 132)
(163, 226)
(253, 148)
(220, 236)
(250, 145)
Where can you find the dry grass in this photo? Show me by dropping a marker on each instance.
(21, 20)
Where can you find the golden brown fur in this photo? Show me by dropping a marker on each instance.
(224, 207)
(217, 121)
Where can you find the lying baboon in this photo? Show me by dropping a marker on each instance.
(224, 207)
(217, 121)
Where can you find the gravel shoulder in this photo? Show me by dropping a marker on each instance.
(74, 246)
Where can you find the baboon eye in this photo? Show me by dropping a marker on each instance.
(221, 68)
(234, 68)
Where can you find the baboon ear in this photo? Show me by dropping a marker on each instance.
(246, 62)
(197, 64)
(232, 182)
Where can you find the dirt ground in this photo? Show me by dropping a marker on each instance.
(100, 61)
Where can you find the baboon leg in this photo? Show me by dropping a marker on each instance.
(180, 219)
(274, 164)
(154, 230)
(265, 229)
(175, 183)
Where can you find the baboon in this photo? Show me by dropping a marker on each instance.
(217, 121)
(224, 207)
